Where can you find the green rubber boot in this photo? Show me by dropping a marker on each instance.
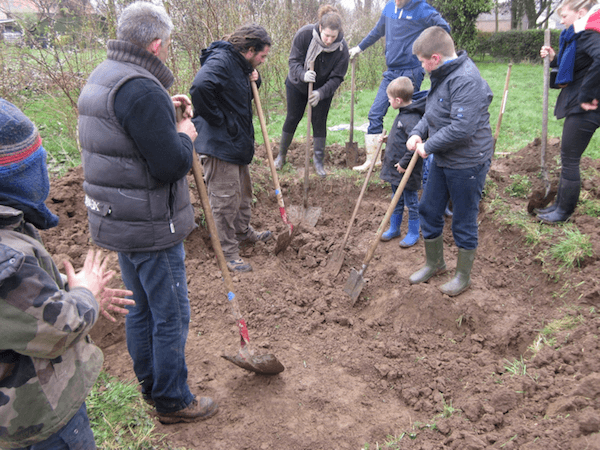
(434, 260)
(462, 276)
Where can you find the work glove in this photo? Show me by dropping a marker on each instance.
(310, 76)
(354, 51)
(314, 98)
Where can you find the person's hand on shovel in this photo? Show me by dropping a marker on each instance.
(184, 113)
(415, 143)
(383, 138)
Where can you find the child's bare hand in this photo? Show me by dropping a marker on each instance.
(399, 168)
(112, 300)
(383, 138)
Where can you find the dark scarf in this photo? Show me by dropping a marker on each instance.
(127, 52)
(566, 56)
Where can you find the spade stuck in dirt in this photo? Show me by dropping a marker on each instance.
(335, 263)
(305, 214)
(356, 282)
(351, 146)
(246, 358)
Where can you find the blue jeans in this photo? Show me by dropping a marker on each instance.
(464, 187)
(381, 103)
(75, 435)
(157, 325)
(408, 198)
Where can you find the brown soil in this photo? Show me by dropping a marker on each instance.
(404, 360)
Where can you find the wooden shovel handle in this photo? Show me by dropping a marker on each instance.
(545, 113)
(390, 209)
(263, 127)
(308, 144)
(362, 192)
(197, 172)
(503, 105)
(353, 87)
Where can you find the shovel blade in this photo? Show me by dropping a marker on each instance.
(308, 216)
(351, 154)
(264, 364)
(284, 239)
(354, 285)
(335, 263)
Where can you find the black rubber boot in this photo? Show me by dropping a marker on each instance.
(319, 154)
(553, 206)
(462, 276)
(284, 144)
(565, 206)
(434, 261)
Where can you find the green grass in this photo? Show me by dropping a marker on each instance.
(118, 416)
(521, 121)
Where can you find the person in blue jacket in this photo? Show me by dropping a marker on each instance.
(401, 23)
(222, 97)
(456, 125)
(397, 159)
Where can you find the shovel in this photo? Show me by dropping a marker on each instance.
(335, 263)
(356, 281)
(306, 215)
(284, 239)
(246, 359)
(503, 106)
(352, 147)
(539, 199)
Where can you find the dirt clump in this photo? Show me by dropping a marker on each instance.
(405, 363)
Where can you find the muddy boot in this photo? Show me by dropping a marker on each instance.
(462, 276)
(434, 260)
(371, 144)
(553, 206)
(565, 206)
(319, 154)
(284, 144)
(412, 236)
(394, 230)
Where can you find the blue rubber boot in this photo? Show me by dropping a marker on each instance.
(412, 236)
(394, 230)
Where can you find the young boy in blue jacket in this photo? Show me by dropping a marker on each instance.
(457, 127)
(396, 159)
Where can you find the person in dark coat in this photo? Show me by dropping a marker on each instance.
(322, 44)
(578, 78)
(222, 99)
(457, 127)
(397, 158)
(136, 157)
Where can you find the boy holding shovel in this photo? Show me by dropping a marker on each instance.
(396, 159)
(457, 126)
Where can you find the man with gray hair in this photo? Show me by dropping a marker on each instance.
(135, 158)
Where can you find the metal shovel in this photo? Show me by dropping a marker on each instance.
(356, 281)
(246, 359)
(351, 146)
(284, 239)
(541, 199)
(335, 263)
(304, 214)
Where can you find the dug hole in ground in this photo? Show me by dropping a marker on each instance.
(403, 362)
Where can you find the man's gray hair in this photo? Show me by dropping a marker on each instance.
(143, 22)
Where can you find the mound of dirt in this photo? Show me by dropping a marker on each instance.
(403, 362)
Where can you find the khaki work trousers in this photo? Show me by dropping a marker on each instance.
(230, 196)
